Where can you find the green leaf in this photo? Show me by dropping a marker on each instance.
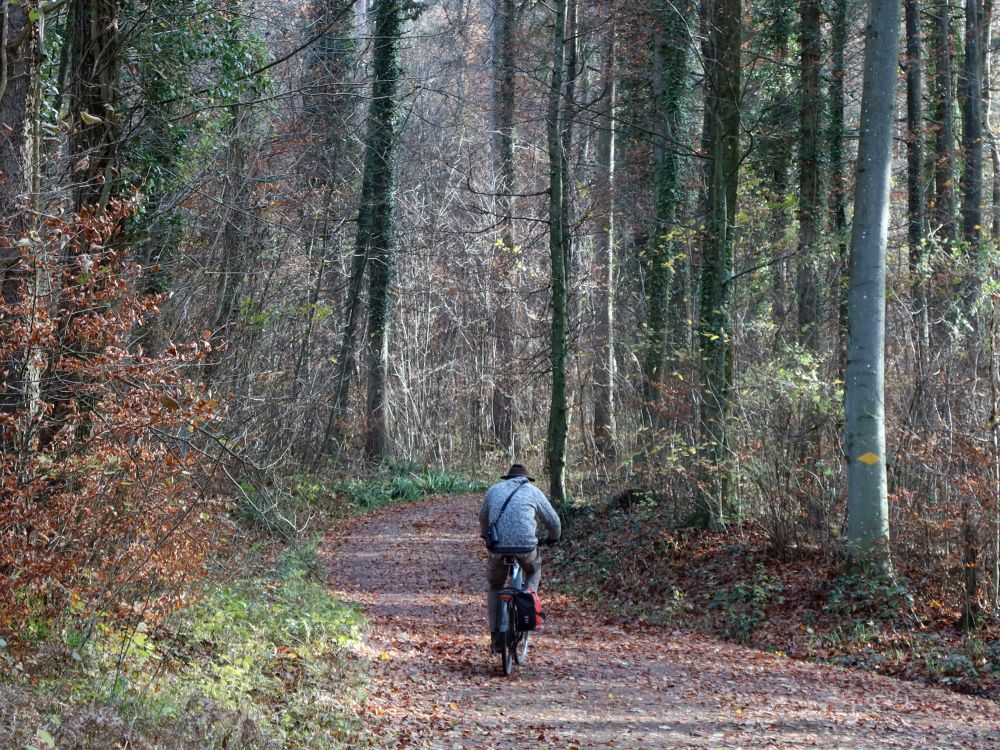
(47, 739)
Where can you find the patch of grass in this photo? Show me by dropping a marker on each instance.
(403, 485)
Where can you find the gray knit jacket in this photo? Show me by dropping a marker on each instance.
(518, 524)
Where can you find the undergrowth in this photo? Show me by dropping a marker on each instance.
(635, 560)
(264, 658)
(265, 662)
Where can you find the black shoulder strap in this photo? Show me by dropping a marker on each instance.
(505, 502)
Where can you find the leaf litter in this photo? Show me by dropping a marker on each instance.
(589, 681)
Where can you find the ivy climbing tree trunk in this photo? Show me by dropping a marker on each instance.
(723, 121)
(558, 412)
(669, 74)
(375, 217)
(864, 439)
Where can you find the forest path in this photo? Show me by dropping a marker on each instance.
(418, 572)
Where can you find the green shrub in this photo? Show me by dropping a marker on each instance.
(863, 596)
(744, 606)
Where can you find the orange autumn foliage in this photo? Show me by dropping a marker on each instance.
(103, 506)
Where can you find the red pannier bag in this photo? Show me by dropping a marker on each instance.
(528, 608)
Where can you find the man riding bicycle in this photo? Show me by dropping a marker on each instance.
(508, 517)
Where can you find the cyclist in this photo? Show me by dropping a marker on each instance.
(511, 510)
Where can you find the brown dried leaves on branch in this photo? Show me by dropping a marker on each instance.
(100, 506)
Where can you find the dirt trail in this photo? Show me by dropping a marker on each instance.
(418, 573)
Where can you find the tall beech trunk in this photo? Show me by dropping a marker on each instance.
(723, 122)
(944, 127)
(502, 142)
(670, 71)
(806, 282)
(864, 438)
(838, 190)
(375, 217)
(605, 429)
(915, 181)
(558, 240)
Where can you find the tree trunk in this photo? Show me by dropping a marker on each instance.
(987, 116)
(944, 124)
(376, 219)
(972, 134)
(346, 352)
(778, 147)
(670, 72)
(915, 181)
(235, 202)
(502, 142)
(868, 509)
(19, 93)
(838, 190)
(723, 120)
(806, 284)
(93, 141)
(605, 432)
(19, 69)
(558, 421)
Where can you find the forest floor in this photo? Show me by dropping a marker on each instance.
(591, 681)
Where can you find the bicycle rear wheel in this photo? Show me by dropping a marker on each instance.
(509, 640)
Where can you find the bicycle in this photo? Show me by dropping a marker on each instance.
(514, 646)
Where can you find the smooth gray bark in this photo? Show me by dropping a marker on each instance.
(868, 509)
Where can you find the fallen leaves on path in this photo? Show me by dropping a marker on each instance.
(418, 572)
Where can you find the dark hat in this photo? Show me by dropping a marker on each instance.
(515, 471)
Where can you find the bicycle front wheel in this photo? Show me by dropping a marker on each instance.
(521, 652)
